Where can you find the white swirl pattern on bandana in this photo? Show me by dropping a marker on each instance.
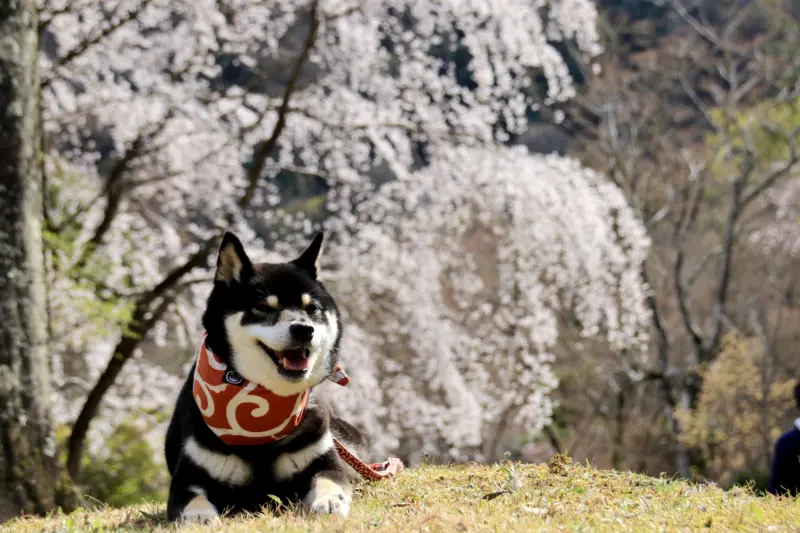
(267, 427)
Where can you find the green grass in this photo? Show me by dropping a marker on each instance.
(524, 498)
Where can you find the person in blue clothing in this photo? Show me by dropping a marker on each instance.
(785, 475)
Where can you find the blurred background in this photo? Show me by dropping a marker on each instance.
(552, 226)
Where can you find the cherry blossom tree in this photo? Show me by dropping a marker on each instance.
(168, 122)
(459, 273)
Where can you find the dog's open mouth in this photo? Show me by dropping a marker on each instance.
(292, 362)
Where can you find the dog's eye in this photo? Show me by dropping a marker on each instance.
(312, 309)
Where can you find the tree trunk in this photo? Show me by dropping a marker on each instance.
(618, 431)
(683, 453)
(690, 462)
(29, 473)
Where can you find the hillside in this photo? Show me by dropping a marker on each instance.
(555, 497)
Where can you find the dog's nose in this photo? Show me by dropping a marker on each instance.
(301, 332)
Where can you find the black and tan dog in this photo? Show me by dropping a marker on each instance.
(246, 429)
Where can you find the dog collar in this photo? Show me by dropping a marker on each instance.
(241, 412)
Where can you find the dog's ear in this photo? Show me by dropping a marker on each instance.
(233, 265)
(309, 260)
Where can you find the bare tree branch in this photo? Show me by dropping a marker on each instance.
(701, 29)
(700, 266)
(721, 42)
(773, 177)
(265, 149)
(686, 219)
(555, 442)
(142, 321)
(689, 90)
(46, 16)
(344, 13)
(662, 351)
(96, 37)
(115, 189)
(729, 240)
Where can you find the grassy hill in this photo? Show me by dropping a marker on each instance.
(512, 497)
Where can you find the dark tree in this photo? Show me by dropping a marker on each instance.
(29, 473)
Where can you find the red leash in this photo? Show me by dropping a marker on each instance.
(370, 472)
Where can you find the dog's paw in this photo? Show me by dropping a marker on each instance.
(199, 511)
(331, 504)
(327, 497)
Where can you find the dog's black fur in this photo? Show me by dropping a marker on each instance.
(240, 287)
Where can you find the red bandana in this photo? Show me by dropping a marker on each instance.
(221, 395)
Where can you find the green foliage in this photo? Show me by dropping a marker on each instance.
(99, 306)
(756, 480)
(759, 132)
(125, 472)
(735, 410)
(104, 309)
(313, 207)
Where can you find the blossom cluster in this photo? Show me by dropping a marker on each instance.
(451, 252)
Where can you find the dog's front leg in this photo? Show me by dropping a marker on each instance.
(330, 493)
(188, 501)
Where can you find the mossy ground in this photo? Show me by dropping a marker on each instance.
(482, 498)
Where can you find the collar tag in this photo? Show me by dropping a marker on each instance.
(233, 377)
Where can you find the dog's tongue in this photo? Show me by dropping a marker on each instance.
(293, 359)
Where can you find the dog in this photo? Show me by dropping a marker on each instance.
(246, 430)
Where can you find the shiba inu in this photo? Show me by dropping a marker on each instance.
(247, 430)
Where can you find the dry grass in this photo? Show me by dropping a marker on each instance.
(558, 497)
